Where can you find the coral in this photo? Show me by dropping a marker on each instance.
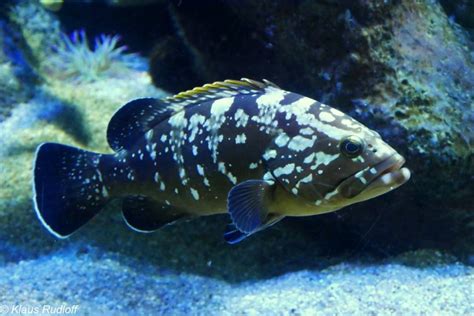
(73, 59)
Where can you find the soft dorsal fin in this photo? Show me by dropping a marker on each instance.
(133, 120)
(138, 116)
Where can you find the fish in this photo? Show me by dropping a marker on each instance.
(242, 147)
(52, 5)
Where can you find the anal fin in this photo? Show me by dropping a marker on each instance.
(146, 215)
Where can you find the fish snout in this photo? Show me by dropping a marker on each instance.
(376, 180)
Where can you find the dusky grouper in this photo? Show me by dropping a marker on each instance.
(244, 147)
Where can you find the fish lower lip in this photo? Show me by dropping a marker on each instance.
(394, 166)
(388, 174)
(392, 173)
(396, 177)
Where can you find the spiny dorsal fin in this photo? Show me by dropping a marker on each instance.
(219, 89)
(138, 116)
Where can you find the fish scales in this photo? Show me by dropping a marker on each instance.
(244, 147)
(195, 138)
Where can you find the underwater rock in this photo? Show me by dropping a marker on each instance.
(16, 77)
(461, 11)
(170, 62)
(401, 67)
(40, 30)
(210, 42)
(126, 3)
(326, 47)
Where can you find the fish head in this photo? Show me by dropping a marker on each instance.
(351, 164)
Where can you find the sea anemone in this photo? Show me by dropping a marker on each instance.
(73, 59)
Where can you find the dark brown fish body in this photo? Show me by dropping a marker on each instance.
(180, 166)
(243, 147)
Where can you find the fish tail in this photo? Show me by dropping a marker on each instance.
(68, 188)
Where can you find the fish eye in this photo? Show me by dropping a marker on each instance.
(351, 146)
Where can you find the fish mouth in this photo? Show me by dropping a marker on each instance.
(391, 173)
(376, 180)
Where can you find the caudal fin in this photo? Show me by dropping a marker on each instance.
(68, 188)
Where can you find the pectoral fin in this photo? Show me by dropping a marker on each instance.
(247, 205)
(146, 215)
(232, 235)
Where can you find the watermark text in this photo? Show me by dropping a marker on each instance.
(46, 309)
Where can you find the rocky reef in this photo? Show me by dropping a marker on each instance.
(404, 68)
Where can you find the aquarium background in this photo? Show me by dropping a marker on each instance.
(404, 68)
